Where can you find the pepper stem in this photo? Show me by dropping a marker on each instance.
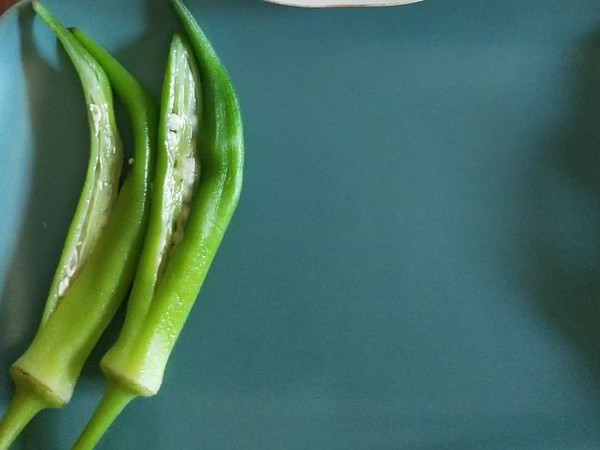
(23, 407)
(115, 399)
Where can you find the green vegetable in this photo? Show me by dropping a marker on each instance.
(104, 168)
(107, 234)
(173, 266)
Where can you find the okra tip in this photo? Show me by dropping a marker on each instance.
(38, 7)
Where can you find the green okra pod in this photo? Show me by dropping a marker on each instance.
(111, 232)
(174, 265)
(104, 169)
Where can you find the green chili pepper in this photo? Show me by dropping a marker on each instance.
(173, 266)
(76, 314)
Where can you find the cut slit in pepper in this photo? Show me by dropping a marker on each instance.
(164, 292)
(104, 170)
(45, 375)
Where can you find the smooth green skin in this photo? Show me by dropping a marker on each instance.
(45, 375)
(141, 359)
(182, 83)
(135, 365)
(140, 356)
(104, 168)
(181, 88)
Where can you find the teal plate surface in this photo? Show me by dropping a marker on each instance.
(415, 260)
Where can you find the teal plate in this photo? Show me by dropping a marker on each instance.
(415, 260)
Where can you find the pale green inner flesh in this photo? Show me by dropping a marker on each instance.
(107, 168)
(101, 185)
(180, 126)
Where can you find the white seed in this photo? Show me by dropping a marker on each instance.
(189, 165)
(174, 122)
(96, 113)
(130, 161)
(188, 171)
(172, 139)
(72, 264)
(63, 286)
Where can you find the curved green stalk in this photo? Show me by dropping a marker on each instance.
(165, 290)
(116, 397)
(21, 410)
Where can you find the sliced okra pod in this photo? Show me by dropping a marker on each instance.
(106, 236)
(188, 220)
(104, 170)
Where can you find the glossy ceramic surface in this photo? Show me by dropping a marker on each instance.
(415, 260)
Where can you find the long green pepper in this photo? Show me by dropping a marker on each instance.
(108, 225)
(181, 243)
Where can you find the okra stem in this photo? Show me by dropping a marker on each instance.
(155, 318)
(46, 374)
(115, 399)
(21, 410)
